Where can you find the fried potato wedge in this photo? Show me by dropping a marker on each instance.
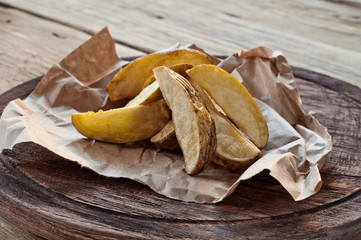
(166, 138)
(148, 95)
(178, 68)
(234, 99)
(128, 82)
(194, 127)
(123, 125)
(234, 151)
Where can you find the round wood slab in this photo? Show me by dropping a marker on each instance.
(57, 199)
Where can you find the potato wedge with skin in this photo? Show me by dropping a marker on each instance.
(234, 151)
(234, 99)
(123, 125)
(166, 138)
(194, 126)
(128, 82)
(178, 68)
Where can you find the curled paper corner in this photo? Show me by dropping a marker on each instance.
(300, 185)
(284, 168)
(292, 156)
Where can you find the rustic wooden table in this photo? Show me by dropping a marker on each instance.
(321, 36)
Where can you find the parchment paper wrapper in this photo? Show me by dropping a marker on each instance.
(295, 152)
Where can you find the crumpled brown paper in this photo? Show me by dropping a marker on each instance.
(295, 152)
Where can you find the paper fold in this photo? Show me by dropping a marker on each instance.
(297, 147)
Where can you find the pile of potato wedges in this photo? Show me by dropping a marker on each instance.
(179, 99)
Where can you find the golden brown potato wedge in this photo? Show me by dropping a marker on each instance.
(194, 126)
(128, 82)
(123, 125)
(234, 151)
(230, 94)
(166, 138)
(178, 68)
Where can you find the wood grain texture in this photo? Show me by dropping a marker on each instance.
(31, 45)
(57, 199)
(10, 231)
(323, 36)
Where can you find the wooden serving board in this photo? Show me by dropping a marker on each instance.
(57, 199)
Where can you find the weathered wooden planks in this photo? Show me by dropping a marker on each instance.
(31, 45)
(317, 35)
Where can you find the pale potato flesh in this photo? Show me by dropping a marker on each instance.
(123, 125)
(230, 94)
(148, 95)
(194, 127)
(129, 81)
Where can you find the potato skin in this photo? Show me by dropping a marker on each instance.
(166, 138)
(208, 140)
(235, 166)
